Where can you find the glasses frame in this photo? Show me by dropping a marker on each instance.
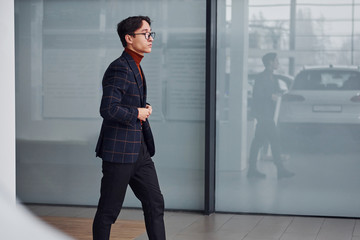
(148, 34)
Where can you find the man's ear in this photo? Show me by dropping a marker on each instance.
(128, 39)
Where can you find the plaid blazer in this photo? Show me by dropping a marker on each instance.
(123, 92)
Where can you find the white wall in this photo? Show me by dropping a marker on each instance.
(7, 99)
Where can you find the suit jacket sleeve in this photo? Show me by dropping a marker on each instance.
(115, 85)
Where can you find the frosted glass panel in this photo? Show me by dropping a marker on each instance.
(62, 51)
(318, 116)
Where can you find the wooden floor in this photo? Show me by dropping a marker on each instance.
(81, 228)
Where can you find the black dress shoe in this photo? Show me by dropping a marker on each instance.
(254, 173)
(284, 173)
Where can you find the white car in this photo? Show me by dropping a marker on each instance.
(323, 95)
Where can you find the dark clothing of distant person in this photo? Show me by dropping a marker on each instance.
(263, 110)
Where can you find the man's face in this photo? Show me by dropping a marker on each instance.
(139, 43)
(274, 64)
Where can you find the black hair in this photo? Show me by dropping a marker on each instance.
(267, 58)
(130, 25)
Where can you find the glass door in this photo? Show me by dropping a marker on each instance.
(315, 112)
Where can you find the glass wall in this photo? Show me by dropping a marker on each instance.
(62, 51)
(63, 48)
(316, 107)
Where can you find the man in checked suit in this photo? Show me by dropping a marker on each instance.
(126, 144)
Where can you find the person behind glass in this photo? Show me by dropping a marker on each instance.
(126, 143)
(266, 92)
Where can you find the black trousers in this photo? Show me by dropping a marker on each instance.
(265, 132)
(142, 178)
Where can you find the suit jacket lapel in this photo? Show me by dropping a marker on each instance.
(144, 83)
(136, 72)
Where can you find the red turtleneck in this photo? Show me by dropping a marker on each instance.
(137, 58)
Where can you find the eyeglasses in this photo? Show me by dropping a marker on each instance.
(147, 35)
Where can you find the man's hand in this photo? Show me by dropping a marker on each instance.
(275, 97)
(144, 113)
(149, 108)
